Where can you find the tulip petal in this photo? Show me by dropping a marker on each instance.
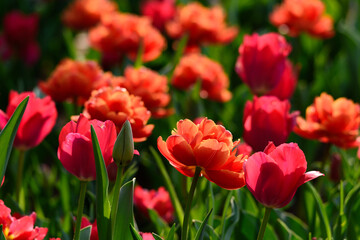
(211, 154)
(226, 179)
(181, 150)
(310, 176)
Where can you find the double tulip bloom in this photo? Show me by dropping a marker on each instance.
(37, 122)
(84, 14)
(208, 146)
(195, 67)
(267, 119)
(204, 25)
(296, 16)
(19, 228)
(76, 150)
(124, 33)
(274, 175)
(156, 200)
(159, 11)
(331, 121)
(262, 61)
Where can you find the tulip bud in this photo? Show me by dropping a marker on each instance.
(123, 151)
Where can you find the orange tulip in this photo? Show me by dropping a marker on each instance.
(83, 14)
(72, 80)
(117, 105)
(331, 121)
(296, 16)
(208, 146)
(123, 33)
(195, 67)
(204, 25)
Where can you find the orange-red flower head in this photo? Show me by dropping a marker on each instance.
(123, 33)
(296, 16)
(204, 25)
(195, 67)
(83, 14)
(117, 105)
(151, 87)
(159, 11)
(72, 80)
(331, 121)
(19, 228)
(208, 146)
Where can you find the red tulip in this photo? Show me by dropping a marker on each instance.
(21, 228)
(75, 146)
(274, 175)
(38, 120)
(147, 236)
(157, 200)
(262, 59)
(267, 119)
(286, 87)
(208, 146)
(159, 11)
(94, 231)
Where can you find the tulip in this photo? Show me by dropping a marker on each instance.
(84, 14)
(146, 236)
(123, 151)
(331, 121)
(203, 25)
(295, 16)
(267, 119)
(159, 11)
(94, 232)
(157, 200)
(38, 120)
(262, 61)
(75, 149)
(196, 67)
(19, 228)
(286, 87)
(117, 105)
(274, 175)
(205, 149)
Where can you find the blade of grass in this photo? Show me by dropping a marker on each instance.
(200, 233)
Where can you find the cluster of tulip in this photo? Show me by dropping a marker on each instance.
(115, 100)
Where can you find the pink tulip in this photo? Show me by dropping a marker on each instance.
(274, 175)
(38, 120)
(75, 146)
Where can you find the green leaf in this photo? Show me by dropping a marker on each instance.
(85, 233)
(233, 219)
(69, 41)
(169, 186)
(124, 215)
(8, 134)
(171, 234)
(292, 222)
(135, 235)
(350, 201)
(289, 233)
(340, 225)
(157, 237)
(2, 237)
(225, 209)
(321, 209)
(102, 196)
(160, 225)
(200, 233)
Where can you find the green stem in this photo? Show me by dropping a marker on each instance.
(190, 196)
(20, 174)
(140, 53)
(80, 209)
(116, 193)
(264, 223)
(178, 54)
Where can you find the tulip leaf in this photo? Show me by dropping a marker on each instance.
(124, 215)
(225, 210)
(171, 234)
(85, 233)
(102, 183)
(350, 200)
(135, 235)
(233, 219)
(209, 232)
(200, 233)
(160, 225)
(157, 237)
(2, 237)
(170, 187)
(289, 233)
(321, 209)
(294, 223)
(8, 134)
